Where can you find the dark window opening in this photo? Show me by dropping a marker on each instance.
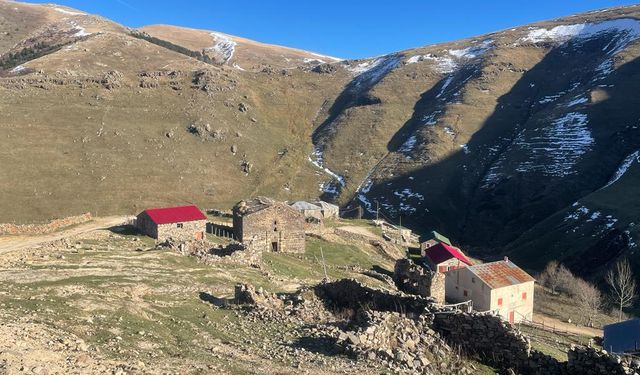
(179, 225)
(274, 246)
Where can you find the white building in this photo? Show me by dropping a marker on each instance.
(499, 286)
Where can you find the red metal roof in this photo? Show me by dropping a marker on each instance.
(442, 252)
(500, 274)
(171, 215)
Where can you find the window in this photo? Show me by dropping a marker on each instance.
(465, 293)
(473, 280)
(499, 301)
(442, 269)
(524, 296)
(179, 225)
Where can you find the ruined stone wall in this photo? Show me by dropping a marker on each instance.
(414, 279)
(189, 230)
(489, 337)
(49, 227)
(349, 293)
(208, 253)
(279, 228)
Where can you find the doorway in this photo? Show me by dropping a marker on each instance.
(511, 317)
(274, 246)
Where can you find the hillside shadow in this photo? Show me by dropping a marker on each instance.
(488, 213)
(357, 93)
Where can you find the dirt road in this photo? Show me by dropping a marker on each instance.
(14, 243)
(564, 326)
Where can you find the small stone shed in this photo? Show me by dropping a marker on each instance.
(431, 239)
(329, 211)
(181, 223)
(268, 225)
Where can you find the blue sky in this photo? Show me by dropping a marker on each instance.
(347, 29)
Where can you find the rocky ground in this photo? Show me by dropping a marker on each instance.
(111, 302)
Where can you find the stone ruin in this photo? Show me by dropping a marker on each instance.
(414, 334)
(414, 279)
(209, 253)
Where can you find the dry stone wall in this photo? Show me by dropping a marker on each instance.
(413, 279)
(484, 335)
(52, 226)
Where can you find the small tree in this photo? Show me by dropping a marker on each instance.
(557, 278)
(623, 285)
(589, 299)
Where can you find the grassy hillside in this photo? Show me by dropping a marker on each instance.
(487, 139)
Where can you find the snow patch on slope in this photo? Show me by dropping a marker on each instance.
(64, 11)
(558, 147)
(626, 163)
(372, 71)
(450, 61)
(564, 33)
(317, 159)
(223, 46)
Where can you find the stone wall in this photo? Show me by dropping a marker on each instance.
(274, 228)
(208, 253)
(485, 335)
(403, 344)
(52, 226)
(189, 230)
(414, 279)
(351, 294)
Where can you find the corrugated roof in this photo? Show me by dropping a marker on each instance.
(433, 235)
(169, 215)
(442, 252)
(302, 205)
(327, 205)
(500, 274)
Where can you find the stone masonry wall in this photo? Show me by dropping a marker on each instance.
(413, 279)
(278, 224)
(186, 233)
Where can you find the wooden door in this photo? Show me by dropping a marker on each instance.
(199, 235)
(511, 317)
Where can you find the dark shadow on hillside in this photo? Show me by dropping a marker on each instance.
(356, 93)
(490, 213)
(125, 230)
(382, 270)
(215, 301)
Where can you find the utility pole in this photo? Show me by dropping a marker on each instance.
(324, 265)
(377, 211)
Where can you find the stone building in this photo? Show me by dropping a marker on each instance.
(309, 210)
(443, 258)
(269, 225)
(432, 239)
(182, 223)
(329, 211)
(497, 286)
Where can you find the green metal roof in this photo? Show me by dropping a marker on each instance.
(433, 235)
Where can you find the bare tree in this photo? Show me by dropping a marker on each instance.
(557, 278)
(589, 299)
(623, 285)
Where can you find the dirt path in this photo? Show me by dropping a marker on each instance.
(564, 326)
(14, 243)
(360, 230)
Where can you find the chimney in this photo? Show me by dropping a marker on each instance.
(506, 258)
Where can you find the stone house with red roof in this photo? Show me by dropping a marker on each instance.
(499, 286)
(182, 223)
(444, 258)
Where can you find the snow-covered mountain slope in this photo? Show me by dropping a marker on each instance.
(503, 131)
